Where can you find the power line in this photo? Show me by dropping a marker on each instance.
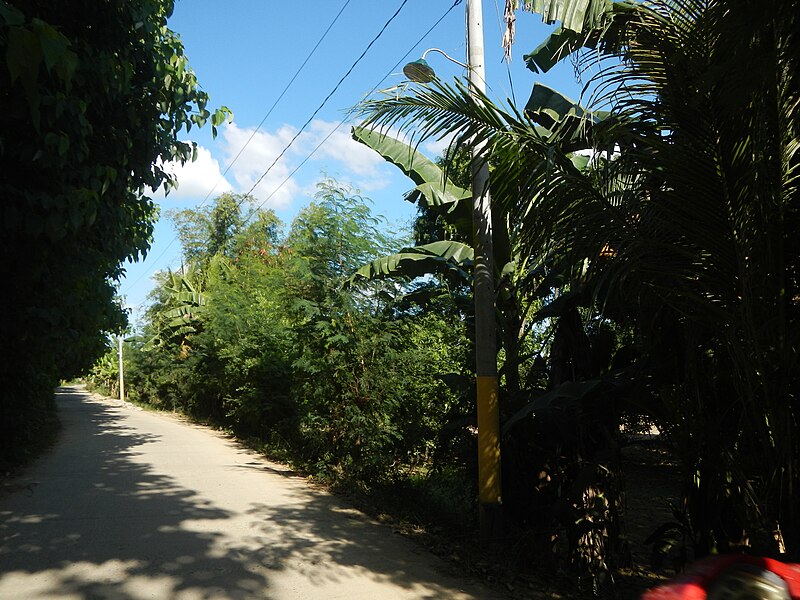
(280, 97)
(328, 97)
(252, 135)
(506, 60)
(319, 108)
(350, 112)
(311, 118)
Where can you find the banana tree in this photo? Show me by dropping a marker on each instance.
(437, 257)
(179, 312)
(535, 154)
(548, 115)
(528, 148)
(435, 191)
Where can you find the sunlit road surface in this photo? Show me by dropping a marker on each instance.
(131, 504)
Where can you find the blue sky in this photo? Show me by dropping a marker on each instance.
(245, 52)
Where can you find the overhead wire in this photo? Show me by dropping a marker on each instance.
(351, 111)
(256, 130)
(311, 118)
(506, 59)
(279, 98)
(328, 97)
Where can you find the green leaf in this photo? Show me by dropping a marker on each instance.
(583, 24)
(10, 15)
(414, 164)
(580, 161)
(556, 112)
(63, 144)
(443, 256)
(23, 57)
(575, 15)
(439, 193)
(53, 44)
(562, 42)
(549, 107)
(447, 198)
(221, 115)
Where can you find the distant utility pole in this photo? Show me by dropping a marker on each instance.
(121, 375)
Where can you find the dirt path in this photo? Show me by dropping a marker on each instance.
(132, 504)
(652, 487)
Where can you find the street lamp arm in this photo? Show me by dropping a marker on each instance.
(447, 56)
(421, 72)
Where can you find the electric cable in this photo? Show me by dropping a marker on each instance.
(507, 61)
(311, 118)
(351, 111)
(280, 97)
(256, 130)
(328, 97)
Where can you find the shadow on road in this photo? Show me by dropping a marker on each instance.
(92, 519)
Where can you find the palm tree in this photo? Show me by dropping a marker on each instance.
(522, 284)
(680, 226)
(705, 100)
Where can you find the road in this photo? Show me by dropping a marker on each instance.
(132, 504)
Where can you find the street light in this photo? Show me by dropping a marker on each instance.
(421, 72)
(489, 489)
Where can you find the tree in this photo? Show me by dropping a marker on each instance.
(572, 389)
(94, 97)
(265, 339)
(682, 228)
(701, 245)
(207, 232)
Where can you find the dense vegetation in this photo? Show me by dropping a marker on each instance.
(263, 333)
(666, 249)
(93, 97)
(647, 271)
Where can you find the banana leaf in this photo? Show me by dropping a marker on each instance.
(566, 393)
(558, 113)
(433, 186)
(584, 24)
(437, 257)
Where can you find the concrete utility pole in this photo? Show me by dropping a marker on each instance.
(489, 489)
(121, 375)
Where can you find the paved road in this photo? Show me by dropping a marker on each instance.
(132, 504)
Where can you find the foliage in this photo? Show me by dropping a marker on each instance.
(279, 350)
(104, 375)
(701, 247)
(677, 228)
(218, 230)
(94, 97)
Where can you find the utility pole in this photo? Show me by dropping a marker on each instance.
(121, 375)
(489, 488)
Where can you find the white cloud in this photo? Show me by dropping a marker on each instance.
(257, 165)
(354, 157)
(257, 151)
(257, 156)
(196, 179)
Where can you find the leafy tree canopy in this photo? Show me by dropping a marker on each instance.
(94, 97)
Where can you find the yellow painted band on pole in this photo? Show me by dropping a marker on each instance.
(489, 490)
